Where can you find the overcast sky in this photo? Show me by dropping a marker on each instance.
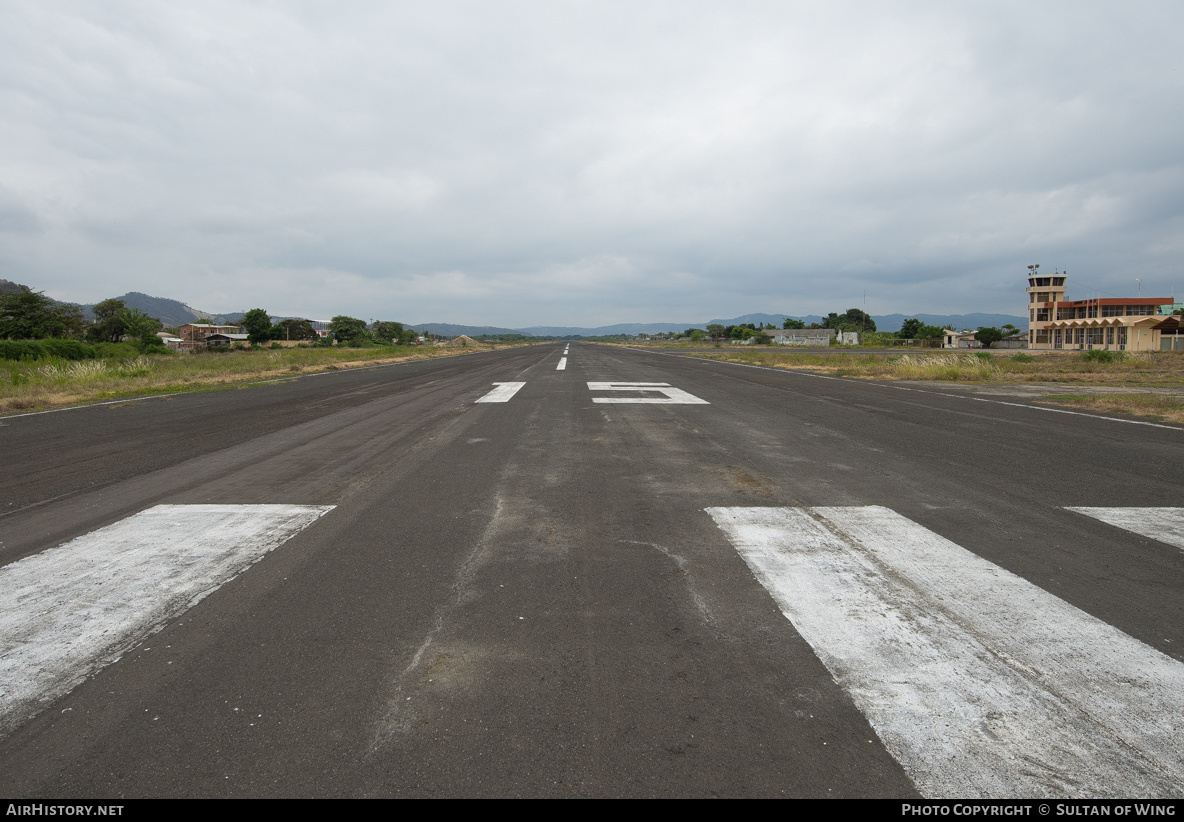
(521, 163)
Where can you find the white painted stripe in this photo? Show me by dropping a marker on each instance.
(504, 392)
(977, 681)
(670, 396)
(70, 610)
(562, 364)
(1163, 524)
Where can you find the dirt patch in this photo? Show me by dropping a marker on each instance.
(762, 486)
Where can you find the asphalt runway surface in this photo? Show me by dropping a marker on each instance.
(582, 570)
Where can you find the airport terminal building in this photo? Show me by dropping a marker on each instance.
(1114, 324)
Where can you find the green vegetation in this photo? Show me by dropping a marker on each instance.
(988, 336)
(914, 329)
(30, 315)
(1102, 355)
(122, 370)
(1165, 407)
(1149, 369)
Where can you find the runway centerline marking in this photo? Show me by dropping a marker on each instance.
(504, 392)
(670, 395)
(977, 681)
(562, 364)
(1163, 524)
(70, 610)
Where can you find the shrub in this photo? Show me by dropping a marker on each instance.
(1102, 355)
(21, 350)
(68, 349)
(117, 351)
(983, 355)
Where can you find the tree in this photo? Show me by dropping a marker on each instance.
(792, 323)
(30, 315)
(858, 320)
(915, 329)
(1008, 329)
(139, 325)
(853, 320)
(294, 330)
(716, 330)
(390, 331)
(988, 336)
(348, 329)
(109, 324)
(257, 323)
(761, 338)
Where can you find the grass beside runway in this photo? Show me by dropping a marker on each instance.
(1166, 408)
(32, 385)
(1149, 384)
(1143, 370)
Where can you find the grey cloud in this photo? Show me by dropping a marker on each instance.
(525, 163)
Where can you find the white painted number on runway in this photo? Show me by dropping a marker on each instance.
(70, 610)
(980, 683)
(1163, 524)
(504, 392)
(562, 364)
(670, 396)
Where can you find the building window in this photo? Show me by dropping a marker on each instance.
(1041, 315)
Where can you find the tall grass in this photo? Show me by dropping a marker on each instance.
(1164, 369)
(123, 372)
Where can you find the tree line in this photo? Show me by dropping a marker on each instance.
(26, 314)
(346, 330)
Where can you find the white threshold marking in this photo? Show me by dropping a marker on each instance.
(1163, 524)
(980, 683)
(69, 611)
(670, 396)
(504, 392)
(562, 364)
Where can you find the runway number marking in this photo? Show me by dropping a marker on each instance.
(1162, 524)
(68, 611)
(980, 683)
(504, 392)
(670, 395)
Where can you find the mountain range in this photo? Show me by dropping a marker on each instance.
(886, 322)
(174, 313)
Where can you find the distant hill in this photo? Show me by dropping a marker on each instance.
(886, 322)
(453, 330)
(169, 312)
(174, 313)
